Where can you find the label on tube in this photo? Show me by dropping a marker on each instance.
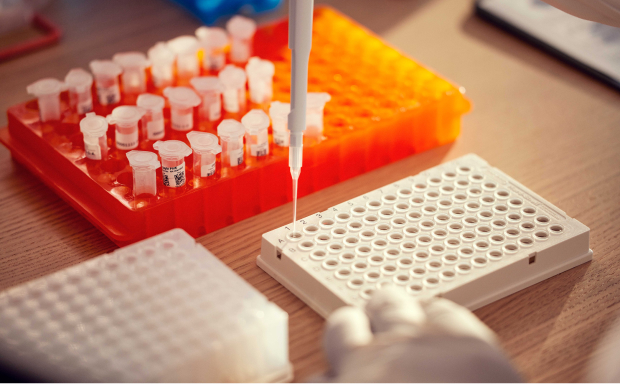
(259, 149)
(127, 141)
(215, 111)
(155, 129)
(174, 176)
(281, 138)
(236, 157)
(183, 122)
(207, 170)
(92, 151)
(109, 95)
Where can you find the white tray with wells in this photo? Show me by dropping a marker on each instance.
(462, 230)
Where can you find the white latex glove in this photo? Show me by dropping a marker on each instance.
(600, 11)
(401, 339)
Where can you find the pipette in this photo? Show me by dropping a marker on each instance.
(300, 42)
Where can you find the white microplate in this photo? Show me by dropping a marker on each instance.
(134, 65)
(161, 310)
(79, 83)
(241, 30)
(162, 64)
(278, 112)
(260, 79)
(47, 91)
(462, 230)
(214, 41)
(233, 78)
(143, 164)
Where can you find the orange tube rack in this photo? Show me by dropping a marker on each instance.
(384, 107)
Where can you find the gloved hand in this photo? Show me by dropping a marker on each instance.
(401, 339)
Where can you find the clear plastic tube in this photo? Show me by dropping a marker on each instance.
(278, 112)
(79, 83)
(209, 88)
(233, 78)
(214, 41)
(185, 48)
(106, 80)
(205, 147)
(241, 31)
(256, 123)
(94, 129)
(162, 65)
(134, 66)
(126, 118)
(153, 127)
(231, 133)
(260, 80)
(47, 91)
(315, 106)
(143, 166)
(182, 102)
(173, 153)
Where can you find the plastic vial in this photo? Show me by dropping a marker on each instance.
(233, 78)
(206, 147)
(94, 129)
(214, 41)
(315, 103)
(209, 89)
(126, 118)
(182, 102)
(231, 133)
(278, 112)
(153, 119)
(143, 165)
(47, 91)
(241, 31)
(134, 66)
(186, 50)
(106, 79)
(256, 123)
(162, 65)
(79, 83)
(260, 80)
(173, 153)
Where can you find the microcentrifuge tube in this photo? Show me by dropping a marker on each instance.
(233, 78)
(241, 31)
(143, 165)
(182, 102)
(256, 123)
(94, 129)
(260, 79)
(209, 88)
(173, 153)
(126, 118)
(205, 147)
(47, 91)
(134, 66)
(162, 65)
(214, 41)
(106, 80)
(153, 119)
(79, 83)
(315, 103)
(186, 50)
(231, 133)
(278, 112)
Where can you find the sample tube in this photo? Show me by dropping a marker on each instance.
(278, 112)
(173, 153)
(143, 165)
(94, 129)
(256, 123)
(233, 78)
(260, 80)
(209, 88)
(106, 80)
(153, 119)
(47, 91)
(79, 83)
(162, 65)
(315, 103)
(126, 118)
(186, 50)
(231, 133)
(182, 102)
(205, 146)
(241, 31)
(215, 42)
(134, 65)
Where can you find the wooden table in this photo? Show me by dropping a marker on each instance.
(549, 126)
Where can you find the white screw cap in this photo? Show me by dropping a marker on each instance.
(255, 121)
(143, 159)
(172, 148)
(204, 142)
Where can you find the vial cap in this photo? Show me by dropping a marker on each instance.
(212, 37)
(126, 114)
(258, 67)
(150, 102)
(207, 84)
(161, 54)
(131, 60)
(241, 27)
(79, 79)
(279, 109)
(49, 86)
(143, 159)
(203, 141)
(232, 77)
(255, 121)
(230, 129)
(93, 125)
(317, 100)
(172, 148)
(182, 96)
(183, 45)
(105, 68)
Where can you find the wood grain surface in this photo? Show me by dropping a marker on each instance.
(542, 122)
